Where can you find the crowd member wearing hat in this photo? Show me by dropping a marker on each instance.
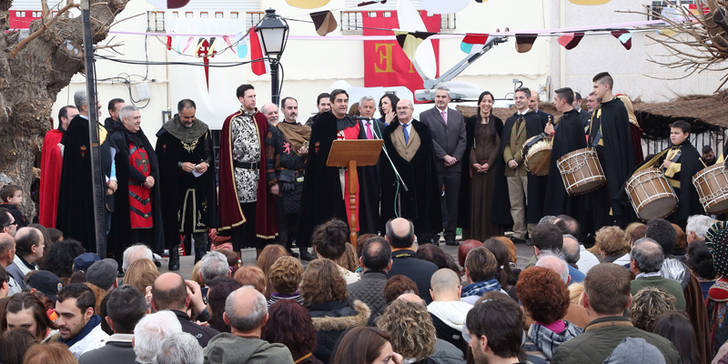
(102, 274)
(82, 262)
(29, 246)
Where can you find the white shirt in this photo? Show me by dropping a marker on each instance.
(586, 260)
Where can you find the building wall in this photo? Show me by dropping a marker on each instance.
(312, 66)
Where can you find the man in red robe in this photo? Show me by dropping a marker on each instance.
(246, 207)
(50, 167)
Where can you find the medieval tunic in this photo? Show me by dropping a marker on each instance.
(415, 163)
(485, 149)
(75, 197)
(189, 201)
(685, 164)
(243, 193)
(50, 177)
(569, 136)
(137, 216)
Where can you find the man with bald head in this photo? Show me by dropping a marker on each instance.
(7, 255)
(410, 147)
(400, 233)
(29, 246)
(576, 314)
(646, 261)
(447, 311)
(171, 292)
(246, 312)
(270, 111)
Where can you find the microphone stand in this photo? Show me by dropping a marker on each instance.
(384, 148)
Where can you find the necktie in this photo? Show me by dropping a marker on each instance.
(444, 116)
(369, 130)
(406, 134)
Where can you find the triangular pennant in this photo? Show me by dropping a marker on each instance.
(189, 43)
(307, 4)
(473, 42)
(324, 21)
(226, 38)
(409, 41)
(571, 40)
(259, 67)
(524, 42)
(169, 43)
(625, 37)
(168, 4)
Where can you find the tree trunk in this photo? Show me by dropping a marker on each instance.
(30, 81)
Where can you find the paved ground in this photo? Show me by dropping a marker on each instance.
(186, 263)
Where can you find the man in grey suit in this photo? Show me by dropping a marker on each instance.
(448, 142)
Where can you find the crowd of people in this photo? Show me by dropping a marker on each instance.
(390, 299)
(599, 287)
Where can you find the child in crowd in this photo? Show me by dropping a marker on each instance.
(12, 197)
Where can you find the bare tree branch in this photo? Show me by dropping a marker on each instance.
(18, 47)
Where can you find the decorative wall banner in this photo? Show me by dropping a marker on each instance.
(385, 63)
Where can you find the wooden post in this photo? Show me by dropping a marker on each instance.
(353, 178)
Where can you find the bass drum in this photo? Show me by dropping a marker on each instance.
(581, 171)
(536, 154)
(712, 186)
(651, 194)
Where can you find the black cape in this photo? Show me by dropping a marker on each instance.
(174, 182)
(535, 124)
(421, 203)
(616, 155)
(500, 196)
(75, 196)
(689, 201)
(322, 198)
(569, 137)
(119, 236)
(370, 220)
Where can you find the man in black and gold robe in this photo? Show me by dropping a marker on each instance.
(680, 163)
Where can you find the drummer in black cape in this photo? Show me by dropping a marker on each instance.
(680, 163)
(522, 186)
(610, 135)
(569, 136)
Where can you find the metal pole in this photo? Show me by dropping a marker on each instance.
(274, 87)
(97, 176)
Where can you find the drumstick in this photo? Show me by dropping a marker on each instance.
(701, 161)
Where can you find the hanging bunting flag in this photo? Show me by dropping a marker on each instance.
(226, 38)
(625, 37)
(169, 43)
(307, 4)
(409, 41)
(365, 3)
(324, 21)
(473, 42)
(205, 51)
(261, 66)
(571, 40)
(189, 43)
(524, 42)
(168, 4)
(444, 7)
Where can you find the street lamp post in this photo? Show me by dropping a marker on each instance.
(273, 33)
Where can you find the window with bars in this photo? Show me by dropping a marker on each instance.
(155, 21)
(252, 18)
(447, 22)
(37, 14)
(351, 22)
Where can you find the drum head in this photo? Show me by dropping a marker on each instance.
(719, 207)
(658, 208)
(589, 185)
(539, 163)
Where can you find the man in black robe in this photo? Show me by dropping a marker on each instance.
(75, 196)
(610, 135)
(186, 168)
(680, 163)
(322, 193)
(137, 214)
(113, 122)
(409, 145)
(369, 177)
(568, 137)
(522, 186)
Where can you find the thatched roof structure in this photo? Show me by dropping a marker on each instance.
(504, 113)
(704, 112)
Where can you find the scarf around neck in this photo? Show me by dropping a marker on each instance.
(296, 134)
(479, 288)
(547, 341)
(90, 325)
(187, 135)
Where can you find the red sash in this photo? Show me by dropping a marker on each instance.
(140, 204)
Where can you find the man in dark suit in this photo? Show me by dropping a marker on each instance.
(400, 233)
(448, 143)
(369, 177)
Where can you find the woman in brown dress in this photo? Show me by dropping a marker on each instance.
(484, 134)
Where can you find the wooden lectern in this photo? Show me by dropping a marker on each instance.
(351, 154)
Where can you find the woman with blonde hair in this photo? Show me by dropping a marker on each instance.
(55, 353)
(141, 274)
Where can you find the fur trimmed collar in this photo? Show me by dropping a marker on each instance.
(344, 322)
